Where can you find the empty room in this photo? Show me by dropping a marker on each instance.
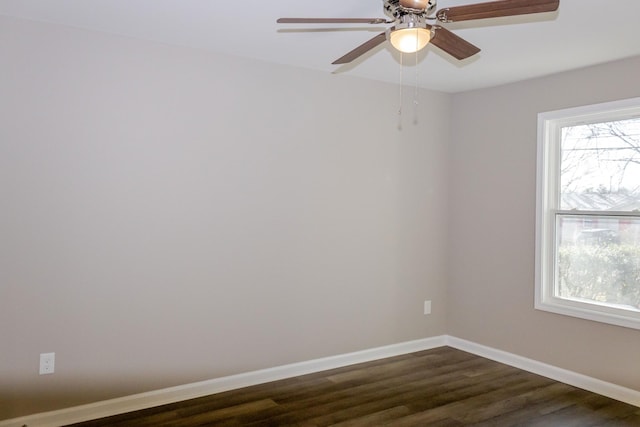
(343, 212)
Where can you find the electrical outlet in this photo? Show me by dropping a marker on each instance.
(47, 363)
(427, 307)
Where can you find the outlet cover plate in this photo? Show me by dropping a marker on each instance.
(47, 363)
(427, 307)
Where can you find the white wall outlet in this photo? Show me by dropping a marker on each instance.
(47, 363)
(427, 307)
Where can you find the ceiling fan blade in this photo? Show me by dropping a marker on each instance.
(362, 49)
(454, 45)
(332, 21)
(494, 9)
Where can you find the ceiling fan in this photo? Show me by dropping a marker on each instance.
(411, 31)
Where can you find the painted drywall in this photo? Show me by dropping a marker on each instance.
(492, 226)
(170, 215)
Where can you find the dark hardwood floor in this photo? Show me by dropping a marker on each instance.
(440, 387)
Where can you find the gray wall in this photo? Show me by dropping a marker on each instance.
(492, 225)
(170, 216)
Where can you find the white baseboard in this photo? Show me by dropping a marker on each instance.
(137, 402)
(584, 382)
(190, 391)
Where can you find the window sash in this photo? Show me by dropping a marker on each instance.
(561, 218)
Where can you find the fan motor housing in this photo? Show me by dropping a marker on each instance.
(394, 9)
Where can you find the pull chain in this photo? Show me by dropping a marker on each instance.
(416, 99)
(400, 106)
(416, 93)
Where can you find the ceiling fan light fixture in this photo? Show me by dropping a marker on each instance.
(410, 40)
(412, 31)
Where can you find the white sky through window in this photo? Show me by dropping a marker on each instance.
(601, 157)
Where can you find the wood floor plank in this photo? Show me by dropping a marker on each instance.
(521, 408)
(435, 388)
(376, 418)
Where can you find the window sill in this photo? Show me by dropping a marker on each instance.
(590, 311)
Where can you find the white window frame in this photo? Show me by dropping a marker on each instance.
(548, 208)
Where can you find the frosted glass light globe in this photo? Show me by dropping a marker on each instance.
(410, 40)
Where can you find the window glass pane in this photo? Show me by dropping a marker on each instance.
(600, 166)
(598, 260)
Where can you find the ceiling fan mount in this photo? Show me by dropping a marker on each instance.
(411, 32)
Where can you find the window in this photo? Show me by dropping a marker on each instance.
(588, 213)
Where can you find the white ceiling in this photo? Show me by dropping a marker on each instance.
(581, 33)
